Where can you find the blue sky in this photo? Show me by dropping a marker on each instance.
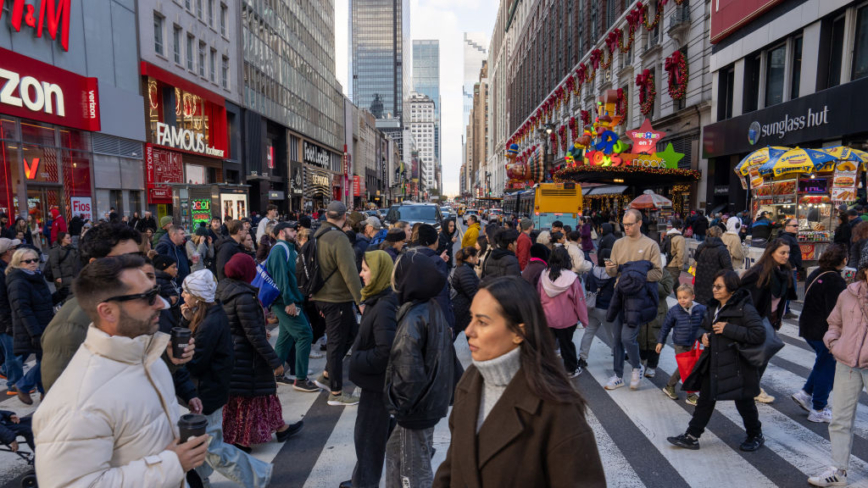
(446, 20)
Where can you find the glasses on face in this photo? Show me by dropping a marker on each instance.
(149, 296)
(718, 287)
(630, 224)
(792, 225)
(30, 261)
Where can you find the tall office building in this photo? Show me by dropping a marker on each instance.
(475, 53)
(380, 63)
(421, 120)
(426, 80)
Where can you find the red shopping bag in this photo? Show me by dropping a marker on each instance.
(687, 360)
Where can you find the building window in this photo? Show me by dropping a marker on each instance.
(213, 73)
(201, 59)
(224, 73)
(796, 71)
(190, 53)
(751, 84)
(176, 44)
(224, 13)
(199, 10)
(211, 13)
(860, 48)
(188, 5)
(726, 87)
(158, 35)
(776, 59)
(836, 52)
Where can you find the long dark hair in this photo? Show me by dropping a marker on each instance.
(559, 260)
(545, 375)
(766, 264)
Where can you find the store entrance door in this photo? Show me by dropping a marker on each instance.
(40, 201)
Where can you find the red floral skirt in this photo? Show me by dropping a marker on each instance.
(251, 420)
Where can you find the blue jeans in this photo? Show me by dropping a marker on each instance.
(408, 458)
(12, 364)
(822, 376)
(231, 462)
(626, 341)
(32, 378)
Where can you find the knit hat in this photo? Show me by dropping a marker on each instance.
(241, 267)
(163, 262)
(202, 231)
(427, 235)
(202, 285)
(165, 221)
(396, 235)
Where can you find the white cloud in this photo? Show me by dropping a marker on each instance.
(445, 20)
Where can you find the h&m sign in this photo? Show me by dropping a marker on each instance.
(55, 15)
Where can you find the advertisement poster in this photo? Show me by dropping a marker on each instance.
(844, 186)
(233, 205)
(195, 174)
(756, 180)
(808, 253)
(200, 210)
(82, 206)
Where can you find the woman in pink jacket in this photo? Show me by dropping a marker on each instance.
(563, 301)
(848, 325)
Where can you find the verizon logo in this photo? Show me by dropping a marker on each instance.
(33, 94)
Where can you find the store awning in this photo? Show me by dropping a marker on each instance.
(607, 190)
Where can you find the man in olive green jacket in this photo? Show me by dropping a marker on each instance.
(337, 266)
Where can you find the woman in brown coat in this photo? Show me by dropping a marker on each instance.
(517, 420)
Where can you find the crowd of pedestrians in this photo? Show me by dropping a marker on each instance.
(95, 313)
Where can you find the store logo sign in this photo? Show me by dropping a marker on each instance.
(185, 139)
(789, 124)
(55, 14)
(31, 93)
(316, 156)
(31, 169)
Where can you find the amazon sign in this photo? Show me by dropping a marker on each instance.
(38, 91)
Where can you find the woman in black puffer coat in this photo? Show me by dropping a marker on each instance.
(32, 309)
(465, 284)
(368, 367)
(253, 412)
(711, 257)
(731, 322)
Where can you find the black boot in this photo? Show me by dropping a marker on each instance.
(752, 443)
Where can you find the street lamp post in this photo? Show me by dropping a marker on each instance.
(488, 182)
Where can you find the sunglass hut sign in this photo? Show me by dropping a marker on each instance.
(779, 129)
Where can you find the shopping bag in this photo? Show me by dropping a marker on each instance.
(687, 360)
(268, 290)
(692, 270)
(758, 355)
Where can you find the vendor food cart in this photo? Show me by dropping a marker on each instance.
(802, 184)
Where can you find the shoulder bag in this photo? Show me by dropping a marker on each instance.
(758, 355)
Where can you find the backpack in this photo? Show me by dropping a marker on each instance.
(310, 281)
(666, 248)
(268, 290)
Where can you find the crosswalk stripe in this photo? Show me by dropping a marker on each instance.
(808, 452)
(619, 472)
(657, 417)
(335, 464)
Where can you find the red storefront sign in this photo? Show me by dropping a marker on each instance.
(357, 186)
(162, 167)
(56, 14)
(38, 91)
(200, 125)
(727, 16)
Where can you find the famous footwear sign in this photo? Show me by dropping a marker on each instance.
(185, 140)
(34, 90)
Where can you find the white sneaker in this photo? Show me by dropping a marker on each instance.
(831, 477)
(803, 400)
(575, 373)
(636, 377)
(650, 372)
(315, 355)
(614, 383)
(820, 416)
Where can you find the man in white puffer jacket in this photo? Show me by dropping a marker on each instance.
(111, 418)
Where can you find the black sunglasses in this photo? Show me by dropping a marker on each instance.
(150, 296)
(30, 261)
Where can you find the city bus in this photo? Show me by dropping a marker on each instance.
(547, 202)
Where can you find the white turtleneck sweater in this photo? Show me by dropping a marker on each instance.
(496, 374)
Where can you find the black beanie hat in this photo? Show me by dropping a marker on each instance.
(162, 263)
(427, 235)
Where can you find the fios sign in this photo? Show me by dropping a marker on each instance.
(54, 15)
(39, 91)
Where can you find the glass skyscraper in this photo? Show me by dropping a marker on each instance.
(289, 66)
(380, 61)
(426, 80)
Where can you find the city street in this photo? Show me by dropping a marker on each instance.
(631, 429)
